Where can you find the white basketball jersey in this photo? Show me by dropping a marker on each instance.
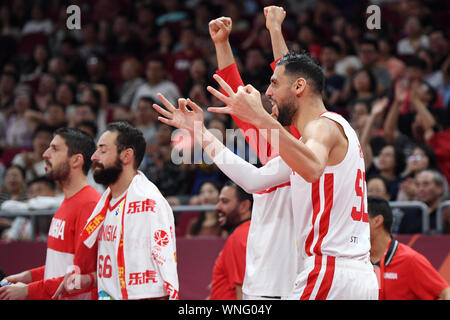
(331, 213)
(271, 265)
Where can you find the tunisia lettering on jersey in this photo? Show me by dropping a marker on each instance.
(57, 228)
(107, 233)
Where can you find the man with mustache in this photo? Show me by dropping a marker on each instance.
(68, 160)
(234, 210)
(132, 223)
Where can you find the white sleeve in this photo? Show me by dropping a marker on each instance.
(249, 177)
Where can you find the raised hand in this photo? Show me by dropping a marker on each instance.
(180, 117)
(245, 103)
(379, 106)
(220, 29)
(274, 17)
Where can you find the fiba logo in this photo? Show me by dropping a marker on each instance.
(374, 19)
(161, 238)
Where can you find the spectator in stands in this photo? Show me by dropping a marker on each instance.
(145, 27)
(57, 66)
(348, 62)
(403, 273)
(432, 189)
(207, 224)
(44, 95)
(368, 53)
(96, 68)
(415, 38)
(198, 76)
(38, 63)
(256, 70)
(42, 194)
(156, 82)
(55, 116)
(32, 161)
(146, 119)
(8, 23)
(65, 94)
(38, 23)
(13, 188)
(390, 164)
(422, 158)
(124, 40)
(165, 42)
(18, 129)
(186, 51)
(234, 209)
(334, 83)
(363, 88)
(89, 40)
(439, 47)
(8, 83)
(131, 76)
(388, 60)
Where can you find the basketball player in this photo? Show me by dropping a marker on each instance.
(266, 276)
(132, 222)
(68, 160)
(327, 166)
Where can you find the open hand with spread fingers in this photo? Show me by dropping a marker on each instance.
(181, 117)
(245, 104)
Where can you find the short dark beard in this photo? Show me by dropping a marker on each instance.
(59, 173)
(286, 114)
(107, 176)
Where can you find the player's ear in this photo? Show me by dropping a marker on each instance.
(299, 86)
(76, 160)
(127, 156)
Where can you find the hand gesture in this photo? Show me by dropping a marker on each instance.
(400, 92)
(220, 29)
(274, 17)
(379, 106)
(181, 118)
(245, 103)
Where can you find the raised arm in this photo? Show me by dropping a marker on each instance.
(274, 20)
(274, 173)
(391, 123)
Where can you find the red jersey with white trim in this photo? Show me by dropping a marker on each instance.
(331, 213)
(63, 243)
(410, 276)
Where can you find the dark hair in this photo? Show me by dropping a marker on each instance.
(240, 193)
(383, 179)
(20, 168)
(303, 65)
(147, 99)
(416, 62)
(129, 137)
(332, 45)
(78, 142)
(42, 128)
(370, 42)
(400, 159)
(50, 183)
(91, 125)
(379, 206)
(12, 75)
(372, 79)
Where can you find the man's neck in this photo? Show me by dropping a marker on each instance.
(379, 244)
(310, 110)
(122, 184)
(73, 184)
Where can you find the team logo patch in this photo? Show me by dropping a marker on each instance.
(161, 238)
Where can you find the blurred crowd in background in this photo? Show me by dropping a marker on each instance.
(127, 51)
